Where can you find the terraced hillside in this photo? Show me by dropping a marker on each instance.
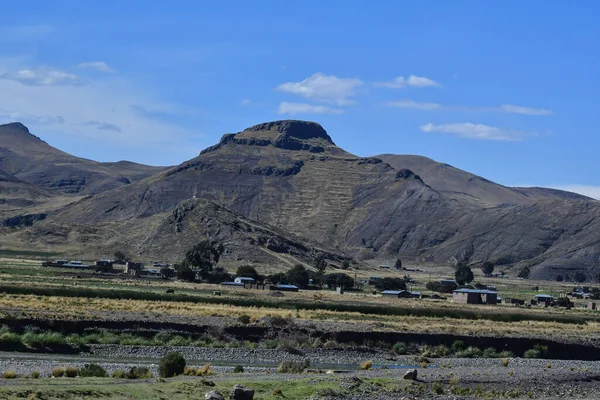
(291, 175)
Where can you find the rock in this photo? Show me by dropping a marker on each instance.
(240, 392)
(214, 395)
(411, 374)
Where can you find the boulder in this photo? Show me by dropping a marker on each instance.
(411, 374)
(213, 395)
(240, 392)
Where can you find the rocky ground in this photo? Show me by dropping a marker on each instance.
(451, 378)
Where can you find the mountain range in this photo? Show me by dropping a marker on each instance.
(282, 192)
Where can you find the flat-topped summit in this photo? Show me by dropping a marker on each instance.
(284, 134)
(303, 130)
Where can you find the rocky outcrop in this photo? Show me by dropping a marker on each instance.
(240, 392)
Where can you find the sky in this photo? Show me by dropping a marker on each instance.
(505, 90)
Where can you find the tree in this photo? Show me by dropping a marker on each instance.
(247, 271)
(559, 278)
(218, 275)
(185, 273)
(524, 272)
(203, 256)
(463, 274)
(597, 277)
(487, 268)
(345, 264)
(120, 256)
(339, 280)
(579, 277)
(398, 264)
(298, 276)
(279, 277)
(167, 273)
(446, 287)
(391, 284)
(171, 365)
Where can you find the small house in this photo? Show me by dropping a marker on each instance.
(234, 284)
(385, 266)
(400, 294)
(474, 296)
(133, 268)
(590, 305)
(285, 288)
(544, 299)
(242, 280)
(104, 266)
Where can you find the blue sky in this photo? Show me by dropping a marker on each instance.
(507, 90)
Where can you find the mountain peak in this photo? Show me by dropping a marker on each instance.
(284, 134)
(303, 130)
(17, 128)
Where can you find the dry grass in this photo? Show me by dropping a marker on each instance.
(366, 365)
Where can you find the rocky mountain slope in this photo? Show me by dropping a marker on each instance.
(32, 160)
(470, 188)
(274, 191)
(15, 194)
(291, 175)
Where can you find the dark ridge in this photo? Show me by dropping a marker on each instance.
(297, 129)
(407, 174)
(292, 136)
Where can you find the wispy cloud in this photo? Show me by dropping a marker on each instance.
(103, 126)
(324, 88)
(413, 80)
(97, 65)
(42, 76)
(506, 108)
(475, 131)
(246, 102)
(414, 105)
(512, 109)
(302, 108)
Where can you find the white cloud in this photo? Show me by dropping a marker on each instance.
(96, 65)
(414, 105)
(586, 190)
(302, 108)
(246, 102)
(512, 109)
(414, 81)
(42, 76)
(112, 111)
(324, 88)
(474, 131)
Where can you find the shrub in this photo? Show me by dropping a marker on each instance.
(291, 367)
(35, 374)
(469, 352)
(171, 365)
(93, 370)
(400, 348)
(9, 374)
(330, 344)
(538, 351)
(9, 338)
(58, 372)
(505, 362)
(458, 345)
(71, 372)
(244, 319)
(138, 373)
(238, 369)
(366, 365)
(438, 388)
(119, 374)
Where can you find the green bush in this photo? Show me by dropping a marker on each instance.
(538, 351)
(400, 348)
(238, 369)
(93, 370)
(71, 372)
(469, 352)
(35, 374)
(458, 345)
(172, 364)
(9, 374)
(138, 373)
(291, 367)
(58, 372)
(244, 319)
(119, 374)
